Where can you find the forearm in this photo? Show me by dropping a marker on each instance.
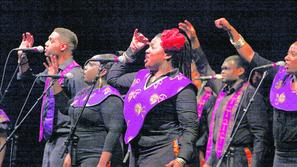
(204, 69)
(105, 158)
(24, 64)
(243, 48)
(187, 116)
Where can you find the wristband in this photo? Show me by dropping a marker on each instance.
(238, 44)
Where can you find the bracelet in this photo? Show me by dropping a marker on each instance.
(238, 44)
(181, 161)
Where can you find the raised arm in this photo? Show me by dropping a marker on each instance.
(27, 42)
(118, 76)
(242, 47)
(199, 57)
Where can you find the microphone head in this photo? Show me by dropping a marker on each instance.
(39, 49)
(69, 75)
(280, 63)
(218, 76)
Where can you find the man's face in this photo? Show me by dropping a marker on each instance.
(53, 46)
(291, 59)
(230, 71)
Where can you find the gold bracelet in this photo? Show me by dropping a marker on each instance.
(238, 44)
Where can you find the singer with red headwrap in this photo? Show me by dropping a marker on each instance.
(160, 105)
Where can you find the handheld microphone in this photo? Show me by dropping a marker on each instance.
(35, 49)
(203, 78)
(279, 63)
(121, 59)
(57, 76)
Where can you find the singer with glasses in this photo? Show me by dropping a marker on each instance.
(54, 125)
(102, 122)
(248, 147)
(160, 105)
(283, 95)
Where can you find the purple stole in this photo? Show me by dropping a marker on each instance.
(201, 102)
(3, 117)
(225, 123)
(282, 95)
(141, 99)
(98, 95)
(48, 100)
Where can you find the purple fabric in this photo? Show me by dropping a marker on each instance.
(3, 117)
(226, 124)
(140, 98)
(282, 95)
(211, 126)
(47, 117)
(97, 96)
(201, 102)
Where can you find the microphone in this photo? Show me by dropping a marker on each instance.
(279, 63)
(57, 76)
(203, 78)
(36, 49)
(100, 59)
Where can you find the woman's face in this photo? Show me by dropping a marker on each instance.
(291, 59)
(91, 70)
(155, 54)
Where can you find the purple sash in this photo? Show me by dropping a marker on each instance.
(229, 111)
(282, 94)
(47, 117)
(225, 125)
(211, 126)
(3, 117)
(97, 96)
(140, 99)
(201, 102)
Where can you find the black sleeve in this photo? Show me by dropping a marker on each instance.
(112, 113)
(119, 78)
(73, 85)
(259, 61)
(63, 104)
(258, 124)
(204, 69)
(186, 111)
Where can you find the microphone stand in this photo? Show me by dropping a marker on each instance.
(72, 138)
(201, 88)
(17, 125)
(9, 83)
(226, 152)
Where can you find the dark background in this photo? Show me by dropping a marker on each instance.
(107, 26)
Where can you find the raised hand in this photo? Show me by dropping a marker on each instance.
(138, 41)
(189, 29)
(223, 23)
(52, 65)
(174, 163)
(27, 42)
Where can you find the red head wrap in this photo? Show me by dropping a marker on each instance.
(172, 40)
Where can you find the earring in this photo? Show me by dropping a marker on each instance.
(100, 83)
